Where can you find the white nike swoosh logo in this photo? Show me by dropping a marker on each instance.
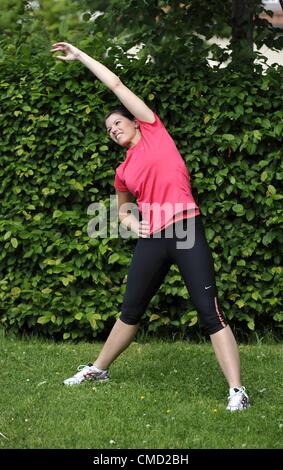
(207, 287)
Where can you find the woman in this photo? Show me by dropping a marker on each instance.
(170, 231)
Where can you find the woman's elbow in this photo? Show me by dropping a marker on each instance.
(117, 83)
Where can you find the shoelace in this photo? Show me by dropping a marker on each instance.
(239, 391)
(81, 367)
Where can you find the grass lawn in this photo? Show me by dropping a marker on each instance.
(162, 395)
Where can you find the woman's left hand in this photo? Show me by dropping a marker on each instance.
(71, 52)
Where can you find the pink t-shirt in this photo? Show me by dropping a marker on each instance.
(155, 173)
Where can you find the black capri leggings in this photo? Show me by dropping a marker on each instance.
(183, 243)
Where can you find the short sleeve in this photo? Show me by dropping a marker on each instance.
(152, 132)
(150, 125)
(119, 184)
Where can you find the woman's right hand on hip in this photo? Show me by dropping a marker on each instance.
(144, 229)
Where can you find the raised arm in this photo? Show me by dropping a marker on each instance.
(133, 103)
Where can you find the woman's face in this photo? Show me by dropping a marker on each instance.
(122, 130)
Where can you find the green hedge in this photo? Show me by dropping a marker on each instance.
(56, 160)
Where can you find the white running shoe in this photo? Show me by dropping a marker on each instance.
(238, 399)
(89, 372)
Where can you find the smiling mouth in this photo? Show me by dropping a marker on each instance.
(118, 136)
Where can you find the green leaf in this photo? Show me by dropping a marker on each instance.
(57, 213)
(113, 258)
(76, 184)
(268, 238)
(255, 295)
(228, 137)
(92, 321)
(238, 209)
(218, 180)
(271, 190)
(251, 325)
(209, 233)
(43, 320)
(14, 242)
(241, 262)
(250, 215)
(7, 235)
(193, 321)
(15, 291)
(47, 290)
(154, 317)
(79, 316)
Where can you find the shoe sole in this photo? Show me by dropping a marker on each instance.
(238, 409)
(97, 380)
